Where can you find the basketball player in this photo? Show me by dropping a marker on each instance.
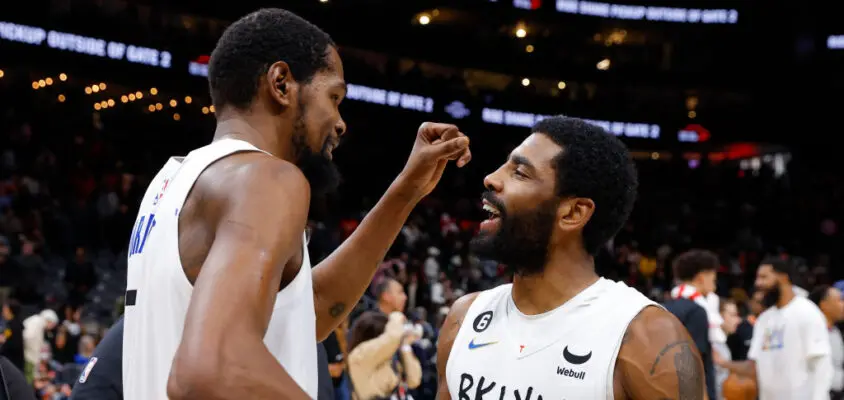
(221, 301)
(789, 354)
(559, 331)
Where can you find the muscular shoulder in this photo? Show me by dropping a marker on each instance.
(451, 326)
(658, 359)
(247, 196)
(252, 176)
(456, 314)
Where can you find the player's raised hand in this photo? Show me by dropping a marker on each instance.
(435, 145)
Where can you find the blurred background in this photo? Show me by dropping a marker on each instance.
(729, 108)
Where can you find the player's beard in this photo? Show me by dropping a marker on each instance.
(521, 241)
(772, 296)
(322, 174)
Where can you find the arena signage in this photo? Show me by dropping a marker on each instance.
(158, 58)
(84, 45)
(648, 13)
(523, 119)
(390, 98)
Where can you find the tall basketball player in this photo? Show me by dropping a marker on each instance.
(221, 301)
(560, 331)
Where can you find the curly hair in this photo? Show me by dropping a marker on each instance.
(249, 46)
(687, 265)
(593, 164)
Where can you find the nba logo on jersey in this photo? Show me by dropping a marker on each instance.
(87, 370)
(160, 192)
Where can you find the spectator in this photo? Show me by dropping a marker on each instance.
(336, 351)
(86, 349)
(739, 341)
(381, 360)
(10, 271)
(829, 300)
(390, 295)
(80, 276)
(11, 340)
(720, 350)
(34, 329)
(66, 342)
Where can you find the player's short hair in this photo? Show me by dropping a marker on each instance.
(687, 265)
(249, 46)
(780, 266)
(819, 294)
(596, 165)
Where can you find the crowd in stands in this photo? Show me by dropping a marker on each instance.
(68, 202)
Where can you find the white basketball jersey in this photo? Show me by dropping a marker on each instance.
(567, 353)
(158, 292)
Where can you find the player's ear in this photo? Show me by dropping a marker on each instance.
(573, 213)
(282, 86)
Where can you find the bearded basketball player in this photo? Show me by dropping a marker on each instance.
(559, 331)
(221, 300)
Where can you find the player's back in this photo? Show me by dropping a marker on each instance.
(158, 291)
(566, 353)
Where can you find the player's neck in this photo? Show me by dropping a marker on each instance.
(258, 129)
(566, 274)
(786, 295)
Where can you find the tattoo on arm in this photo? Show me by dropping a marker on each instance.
(689, 374)
(337, 310)
(690, 382)
(665, 350)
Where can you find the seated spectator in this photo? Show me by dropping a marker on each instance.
(86, 349)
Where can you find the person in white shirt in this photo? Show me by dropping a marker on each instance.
(720, 351)
(831, 304)
(789, 354)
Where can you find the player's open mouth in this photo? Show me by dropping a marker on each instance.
(494, 220)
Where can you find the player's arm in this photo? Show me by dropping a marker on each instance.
(341, 279)
(258, 229)
(658, 359)
(448, 333)
(747, 368)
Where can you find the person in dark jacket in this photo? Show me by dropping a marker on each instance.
(11, 345)
(13, 385)
(102, 377)
(325, 389)
(694, 318)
